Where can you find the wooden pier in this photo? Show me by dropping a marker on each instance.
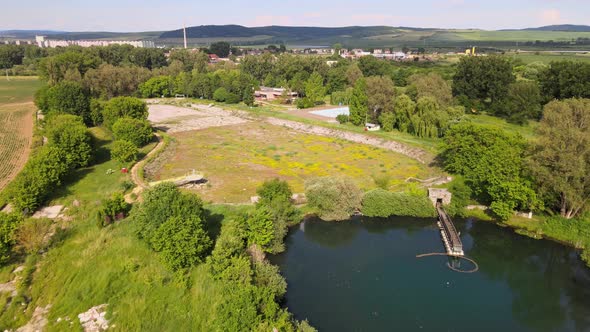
(448, 232)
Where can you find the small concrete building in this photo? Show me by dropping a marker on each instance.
(439, 195)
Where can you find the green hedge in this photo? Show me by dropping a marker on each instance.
(382, 203)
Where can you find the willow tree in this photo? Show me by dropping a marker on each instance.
(403, 108)
(561, 157)
(428, 118)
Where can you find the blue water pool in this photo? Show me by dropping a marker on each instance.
(332, 112)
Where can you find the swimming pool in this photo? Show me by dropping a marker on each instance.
(332, 112)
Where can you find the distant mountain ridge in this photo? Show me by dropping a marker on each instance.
(350, 36)
(562, 27)
(287, 32)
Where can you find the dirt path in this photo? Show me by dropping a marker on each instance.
(139, 182)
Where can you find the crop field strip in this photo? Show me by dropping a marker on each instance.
(16, 124)
(14, 142)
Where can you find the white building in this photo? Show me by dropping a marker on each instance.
(42, 42)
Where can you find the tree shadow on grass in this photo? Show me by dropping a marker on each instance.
(213, 221)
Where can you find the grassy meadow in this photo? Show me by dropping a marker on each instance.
(237, 159)
(87, 266)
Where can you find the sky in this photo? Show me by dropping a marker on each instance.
(159, 15)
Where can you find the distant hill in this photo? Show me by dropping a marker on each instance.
(287, 33)
(27, 34)
(562, 27)
(561, 36)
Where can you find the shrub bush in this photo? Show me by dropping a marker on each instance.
(334, 198)
(31, 235)
(124, 151)
(382, 203)
(42, 173)
(275, 197)
(66, 97)
(220, 95)
(121, 107)
(173, 223)
(342, 118)
(260, 227)
(114, 208)
(8, 226)
(69, 134)
(182, 241)
(138, 132)
(305, 103)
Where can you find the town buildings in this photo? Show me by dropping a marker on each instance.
(43, 42)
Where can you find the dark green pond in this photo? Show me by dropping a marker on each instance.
(363, 275)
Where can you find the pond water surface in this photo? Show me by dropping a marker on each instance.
(363, 275)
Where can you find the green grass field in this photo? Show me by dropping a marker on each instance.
(237, 159)
(549, 57)
(88, 266)
(18, 89)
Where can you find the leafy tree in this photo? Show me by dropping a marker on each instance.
(248, 98)
(337, 80)
(258, 66)
(9, 224)
(523, 102)
(182, 241)
(380, 92)
(69, 134)
(260, 227)
(492, 163)
(161, 203)
(42, 173)
(342, 118)
(11, 55)
(359, 103)
(173, 223)
(428, 118)
(108, 81)
(560, 161)
(221, 49)
(387, 121)
(274, 189)
(275, 197)
(430, 85)
(333, 198)
(230, 244)
(221, 95)
(353, 74)
(66, 98)
(54, 68)
(120, 107)
(96, 109)
(138, 132)
(124, 151)
(371, 66)
(565, 79)
(160, 86)
(314, 88)
(403, 110)
(483, 79)
(267, 275)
